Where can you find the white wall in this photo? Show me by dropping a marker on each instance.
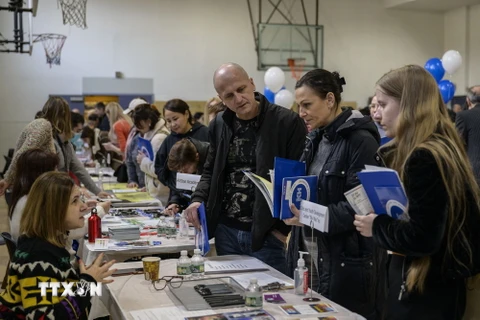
(461, 33)
(456, 38)
(179, 43)
(473, 46)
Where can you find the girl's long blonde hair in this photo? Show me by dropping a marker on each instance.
(423, 123)
(115, 112)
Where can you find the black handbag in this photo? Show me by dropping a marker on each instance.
(121, 173)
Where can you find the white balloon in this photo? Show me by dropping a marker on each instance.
(451, 61)
(274, 79)
(284, 98)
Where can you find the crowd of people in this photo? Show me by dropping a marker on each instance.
(374, 265)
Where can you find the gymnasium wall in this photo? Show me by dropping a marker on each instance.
(461, 33)
(179, 43)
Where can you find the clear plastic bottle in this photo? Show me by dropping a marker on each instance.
(171, 228)
(183, 226)
(184, 265)
(198, 264)
(162, 227)
(254, 295)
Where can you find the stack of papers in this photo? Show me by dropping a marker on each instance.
(127, 232)
(234, 265)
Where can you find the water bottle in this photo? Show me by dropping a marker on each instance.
(183, 226)
(162, 227)
(198, 264)
(94, 226)
(184, 264)
(253, 295)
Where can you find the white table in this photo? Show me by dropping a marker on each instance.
(132, 292)
(88, 252)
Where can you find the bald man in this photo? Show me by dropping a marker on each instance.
(247, 136)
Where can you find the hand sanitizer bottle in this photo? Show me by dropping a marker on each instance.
(300, 276)
(253, 295)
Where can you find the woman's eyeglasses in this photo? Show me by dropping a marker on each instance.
(173, 281)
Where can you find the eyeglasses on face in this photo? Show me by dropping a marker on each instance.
(173, 281)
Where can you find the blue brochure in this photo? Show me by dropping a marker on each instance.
(284, 168)
(384, 140)
(201, 236)
(296, 189)
(145, 146)
(385, 191)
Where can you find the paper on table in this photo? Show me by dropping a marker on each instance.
(358, 199)
(114, 185)
(228, 266)
(135, 196)
(129, 190)
(263, 279)
(167, 313)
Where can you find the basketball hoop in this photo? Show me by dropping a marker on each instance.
(74, 12)
(296, 67)
(53, 44)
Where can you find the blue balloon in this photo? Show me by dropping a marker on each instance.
(435, 67)
(269, 94)
(447, 90)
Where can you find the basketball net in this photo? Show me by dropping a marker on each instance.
(74, 12)
(53, 44)
(296, 67)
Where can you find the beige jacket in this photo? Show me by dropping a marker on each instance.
(154, 187)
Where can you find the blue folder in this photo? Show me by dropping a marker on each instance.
(385, 192)
(145, 146)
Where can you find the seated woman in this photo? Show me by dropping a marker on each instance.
(30, 165)
(36, 134)
(54, 206)
(186, 156)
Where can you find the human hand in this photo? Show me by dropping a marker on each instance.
(98, 270)
(364, 224)
(104, 195)
(191, 214)
(172, 209)
(3, 187)
(132, 185)
(140, 157)
(105, 205)
(91, 203)
(295, 220)
(144, 189)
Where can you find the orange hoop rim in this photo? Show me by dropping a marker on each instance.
(296, 67)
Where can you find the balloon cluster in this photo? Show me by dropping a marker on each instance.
(450, 63)
(274, 90)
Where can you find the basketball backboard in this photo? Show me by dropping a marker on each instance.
(279, 42)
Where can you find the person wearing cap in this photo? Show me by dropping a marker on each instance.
(135, 175)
